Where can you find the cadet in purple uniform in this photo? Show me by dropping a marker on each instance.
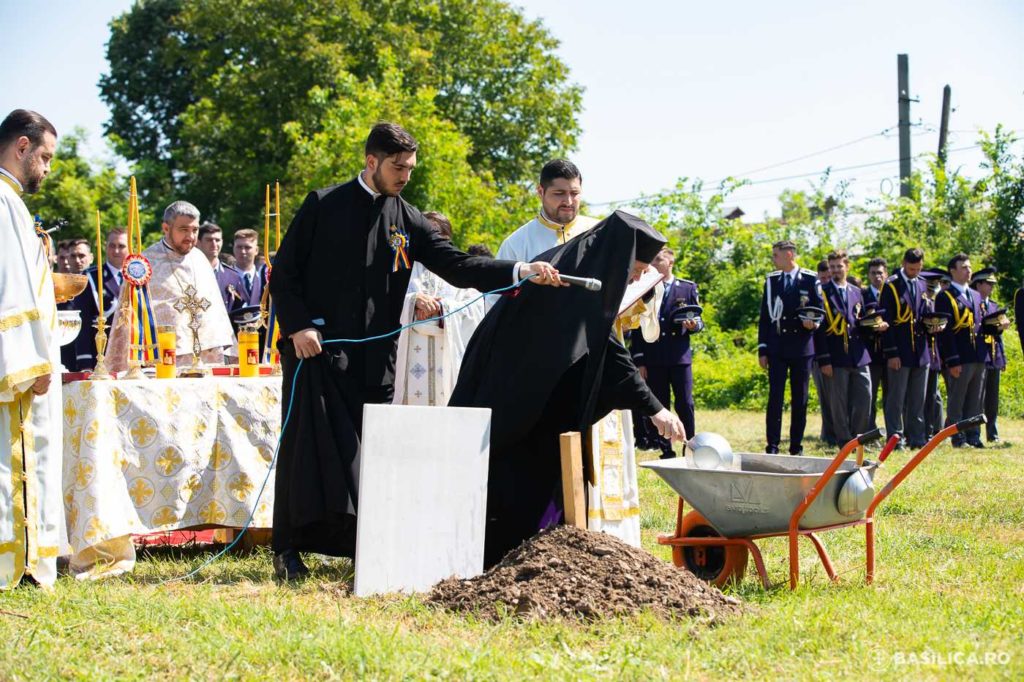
(828, 432)
(877, 274)
(934, 407)
(785, 343)
(993, 323)
(229, 281)
(841, 353)
(905, 350)
(962, 350)
(245, 249)
(667, 363)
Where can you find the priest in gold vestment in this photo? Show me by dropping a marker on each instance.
(182, 278)
(31, 507)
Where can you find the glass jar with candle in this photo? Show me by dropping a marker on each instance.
(167, 343)
(249, 352)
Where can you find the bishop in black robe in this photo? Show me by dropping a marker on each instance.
(569, 372)
(343, 268)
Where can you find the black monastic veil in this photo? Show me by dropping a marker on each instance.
(545, 362)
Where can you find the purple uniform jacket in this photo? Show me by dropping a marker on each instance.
(785, 337)
(231, 287)
(905, 338)
(833, 344)
(960, 343)
(252, 296)
(873, 340)
(995, 353)
(673, 346)
(88, 303)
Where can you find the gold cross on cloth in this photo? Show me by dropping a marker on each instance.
(194, 306)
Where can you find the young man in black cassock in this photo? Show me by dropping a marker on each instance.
(341, 273)
(569, 372)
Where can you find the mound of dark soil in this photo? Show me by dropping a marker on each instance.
(566, 572)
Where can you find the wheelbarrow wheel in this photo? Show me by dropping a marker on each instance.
(716, 565)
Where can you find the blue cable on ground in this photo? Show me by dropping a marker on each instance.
(288, 414)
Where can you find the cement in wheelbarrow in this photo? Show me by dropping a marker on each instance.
(758, 495)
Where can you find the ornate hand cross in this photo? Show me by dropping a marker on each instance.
(194, 306)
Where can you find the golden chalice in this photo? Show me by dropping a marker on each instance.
(66, 286)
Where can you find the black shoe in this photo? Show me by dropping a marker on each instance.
(797, 453)
(958, 444)
(993, 439)
(976, 444)
(668, 455)
(917, 444)
(288, 565)
(771, 450)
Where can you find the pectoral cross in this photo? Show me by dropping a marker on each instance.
(194, 306)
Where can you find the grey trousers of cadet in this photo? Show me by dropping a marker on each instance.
(850, 396)
(964, 399)
(878, 380)
(904, 405)
(828, 432)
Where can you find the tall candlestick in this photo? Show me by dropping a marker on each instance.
(266, 221)
(138, 220)
(131, 214)
(277, 218)
(99, 263)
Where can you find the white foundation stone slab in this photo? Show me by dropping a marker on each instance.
(422, 496)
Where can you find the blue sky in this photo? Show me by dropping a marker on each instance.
(677, 88)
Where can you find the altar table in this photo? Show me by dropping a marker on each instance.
(164, 454)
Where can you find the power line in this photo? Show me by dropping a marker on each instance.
(817, 153)
(828, 169)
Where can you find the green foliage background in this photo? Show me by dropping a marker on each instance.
(212, 99)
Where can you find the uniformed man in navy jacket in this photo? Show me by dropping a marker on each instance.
(667, 363)
(785, 343)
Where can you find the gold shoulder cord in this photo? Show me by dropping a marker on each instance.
(903, 315)
(837, 324)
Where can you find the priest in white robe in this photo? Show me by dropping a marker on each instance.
(182, 278)
(613, 497)
(559, 219)
(430, 354)
(31, 503)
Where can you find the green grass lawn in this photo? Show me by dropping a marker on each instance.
(948, 601)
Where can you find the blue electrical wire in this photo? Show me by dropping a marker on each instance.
(288, 414)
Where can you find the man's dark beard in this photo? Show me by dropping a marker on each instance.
(33, 181)
(378, 183)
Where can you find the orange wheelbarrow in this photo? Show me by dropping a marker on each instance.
(764, 496)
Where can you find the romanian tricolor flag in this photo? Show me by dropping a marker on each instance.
(273, 336)
(143, 338)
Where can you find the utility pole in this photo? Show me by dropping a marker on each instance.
(944, 125)
(903, 81)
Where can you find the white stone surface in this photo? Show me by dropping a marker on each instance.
(422, 496)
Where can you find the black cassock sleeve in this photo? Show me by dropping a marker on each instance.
(287, 273)
(622, 388)
(457, 268)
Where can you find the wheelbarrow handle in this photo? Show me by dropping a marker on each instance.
(970, 422)
(870, 436)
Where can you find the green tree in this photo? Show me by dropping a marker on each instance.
(76, 188)
(204, 92)
(443, 179)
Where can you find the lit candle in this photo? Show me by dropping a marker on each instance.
(99, 263)
(277, 218)
(266, 220)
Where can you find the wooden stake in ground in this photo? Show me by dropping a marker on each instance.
(573, 495)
